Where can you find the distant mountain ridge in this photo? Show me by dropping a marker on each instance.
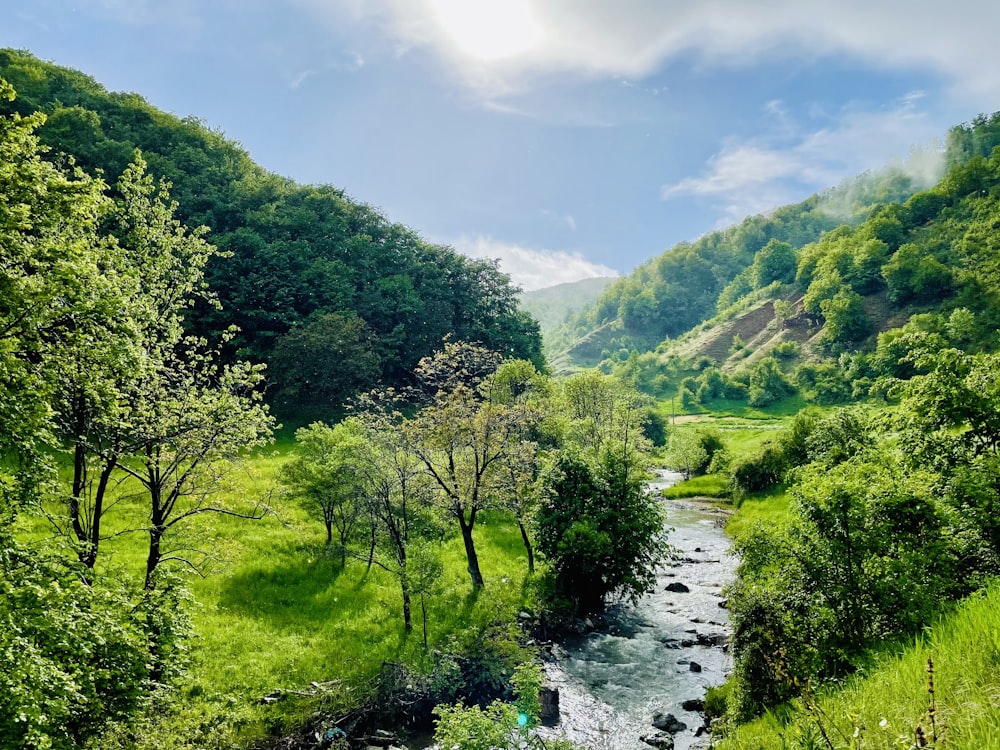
(554, 305)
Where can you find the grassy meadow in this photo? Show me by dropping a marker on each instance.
(275, 610)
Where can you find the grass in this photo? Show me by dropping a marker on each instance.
(278, 612)
(881, 708)
(767, 508)
(709, 485)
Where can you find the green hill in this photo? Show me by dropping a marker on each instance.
(308, 268)
(555, 305)
(721, 276)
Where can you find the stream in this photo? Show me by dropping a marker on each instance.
(642, 660)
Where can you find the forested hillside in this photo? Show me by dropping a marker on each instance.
(304, 270)
(726, 271)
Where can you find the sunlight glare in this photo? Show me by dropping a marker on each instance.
(489, 29)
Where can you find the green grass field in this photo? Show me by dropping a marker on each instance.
(277, 611)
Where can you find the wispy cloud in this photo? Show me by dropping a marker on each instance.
(632, 38)
(749, 176)
(347, 61)
(530, 268)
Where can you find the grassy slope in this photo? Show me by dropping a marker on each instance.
(277, 611)
(881, 707)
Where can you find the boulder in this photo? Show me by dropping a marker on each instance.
(668, 723)
(694, 666)
(694, 704)
(677, 588)
(660, 739)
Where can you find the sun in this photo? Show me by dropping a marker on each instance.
(489, 30)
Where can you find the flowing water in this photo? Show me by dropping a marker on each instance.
(638, 660)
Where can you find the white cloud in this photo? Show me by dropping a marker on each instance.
(533, 269)
(633, 38)
(754, 175)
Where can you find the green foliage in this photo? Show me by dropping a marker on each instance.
(325, 361)
(692, 451)
(292, 254)
(881, 706)
(601, 533)
(809, 600)
(474, 728)
(325, 476)
(773, 262)
(74, 658)
(845, 317)
(768, 383)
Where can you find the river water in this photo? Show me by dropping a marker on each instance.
(638, 660)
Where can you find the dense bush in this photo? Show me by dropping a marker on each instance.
(600, 531)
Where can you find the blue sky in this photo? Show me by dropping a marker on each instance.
(569, 138)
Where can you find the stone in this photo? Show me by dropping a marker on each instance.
(549, 700)
(694, 666)
(668, 723)
(660, 740)
(724, 603)
(693, 704)
(677, 588)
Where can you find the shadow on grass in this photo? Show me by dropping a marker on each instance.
(306, 591)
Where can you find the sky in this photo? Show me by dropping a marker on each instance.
(567, 138)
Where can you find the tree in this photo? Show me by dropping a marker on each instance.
(189, 416)
(603, 411)
(773, 262)
(327, 360)
(423, 579)
(73, 656)
(768, 383)
(49, 273)
(464, 436)
(396, 491)
(686, 453)
(601, 533)
(324, 475)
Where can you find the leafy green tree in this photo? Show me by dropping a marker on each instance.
(49, 275)
(686, 453)
(602, 411)
(73, 657)
(773, 262)
(466, 435)
(768, 383)
(601, 533)
(189, 416)
(325, 477)
(396, 492)
(423, 576)
(325, 361)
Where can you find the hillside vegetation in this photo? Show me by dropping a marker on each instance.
(302, 268)
(842, 275)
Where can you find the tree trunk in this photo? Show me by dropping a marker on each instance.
(470, 550)
(153, 558)
(329, 533)
(90, 557)
(527, 546)
(407, 618)
(423, 611)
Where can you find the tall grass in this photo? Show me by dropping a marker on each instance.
(881, 707)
